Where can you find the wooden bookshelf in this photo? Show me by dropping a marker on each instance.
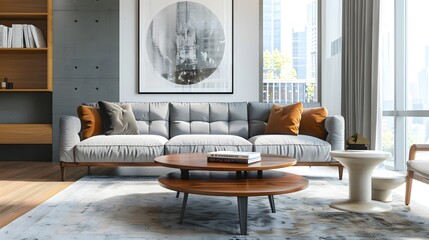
(23, 49)
(29, 69)
(25, 6)
(25, 134)
(23, 16)
(25, 90)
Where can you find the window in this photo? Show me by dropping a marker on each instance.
(290, 51)
(404, 75)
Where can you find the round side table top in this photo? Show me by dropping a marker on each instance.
(360, 154)
(198, 161)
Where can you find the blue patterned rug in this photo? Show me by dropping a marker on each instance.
(138, 208)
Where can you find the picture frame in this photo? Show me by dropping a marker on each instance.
(185, 46)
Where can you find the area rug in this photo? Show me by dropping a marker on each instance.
(138, 208)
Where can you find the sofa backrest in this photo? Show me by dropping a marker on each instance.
(171, 119)
(152, 117)
(209, 118)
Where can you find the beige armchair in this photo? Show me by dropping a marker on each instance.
(416, 169)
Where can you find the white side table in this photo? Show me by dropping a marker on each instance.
(359, 164)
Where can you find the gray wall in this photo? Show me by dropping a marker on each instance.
(86, 56)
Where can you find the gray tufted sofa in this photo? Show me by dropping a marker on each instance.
(183, 127)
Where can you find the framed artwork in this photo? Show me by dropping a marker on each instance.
(185, 46)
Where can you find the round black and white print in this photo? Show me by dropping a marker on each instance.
(185, 43)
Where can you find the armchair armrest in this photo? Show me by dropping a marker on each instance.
(69, 137)
(417, 148)
(335, 127)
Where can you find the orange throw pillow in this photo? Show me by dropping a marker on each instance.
(313, 122)
(284, 120)
(91, 121)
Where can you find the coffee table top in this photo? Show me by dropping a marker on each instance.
(198, 161)
(227, 183)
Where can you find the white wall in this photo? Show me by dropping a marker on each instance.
(246, 57)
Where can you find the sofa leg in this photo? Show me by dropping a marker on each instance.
(408, 185)
(63, 171)
(340, 171)
(89, 170)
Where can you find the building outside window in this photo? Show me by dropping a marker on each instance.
(290, 47)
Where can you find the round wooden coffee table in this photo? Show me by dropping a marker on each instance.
(197, 176)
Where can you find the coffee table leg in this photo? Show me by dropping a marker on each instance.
(177, 194)
(184, 174)
(272, 205)
(242, 214)
(182, 213)
(260, 175)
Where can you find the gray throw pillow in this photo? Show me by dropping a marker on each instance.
(118, 119)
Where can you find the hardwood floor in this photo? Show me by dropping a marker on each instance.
(25, 185)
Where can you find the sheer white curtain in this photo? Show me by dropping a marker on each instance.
(359, 70)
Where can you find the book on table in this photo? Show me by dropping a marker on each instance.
(234, 157)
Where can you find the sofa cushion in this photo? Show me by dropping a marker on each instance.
(420, 166)
(120, 148)
(209, 118)
(313, 122)
(118, 119)
(206, 143)
(258, 117)
(284, 119)
(91, 124)
(302, 147)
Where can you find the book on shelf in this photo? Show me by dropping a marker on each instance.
(3, 36)
(17, 36)
(28, 37)
(234, 154)
(9, 38)
(39, 40)
(233, 160)
(21, 36)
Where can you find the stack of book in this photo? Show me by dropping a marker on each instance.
(234, 157)
(21, 36)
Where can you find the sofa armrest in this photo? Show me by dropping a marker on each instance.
(336, 128)
(69, 137)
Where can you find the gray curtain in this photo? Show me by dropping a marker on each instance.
(359, 69)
